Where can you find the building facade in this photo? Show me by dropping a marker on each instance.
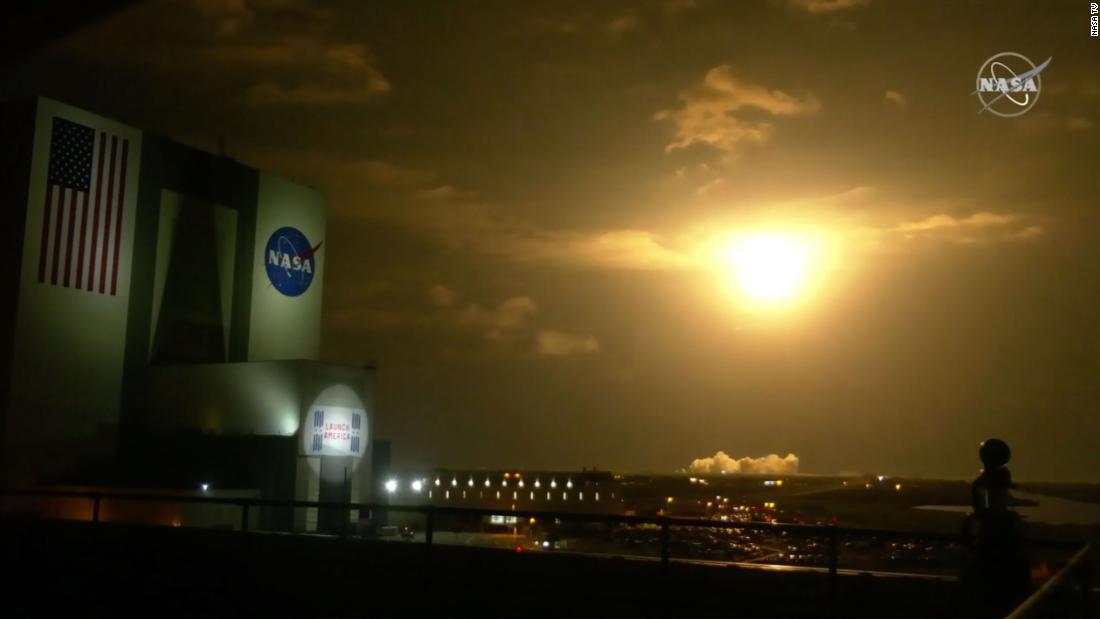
(161, 299)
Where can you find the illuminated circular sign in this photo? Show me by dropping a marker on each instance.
(290, 261)
(336, 424)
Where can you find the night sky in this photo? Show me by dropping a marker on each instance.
(528, 203)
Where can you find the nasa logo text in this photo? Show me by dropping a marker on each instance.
(1008, 84)
(290, 261)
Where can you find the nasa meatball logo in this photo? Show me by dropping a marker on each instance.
(290, 261)
(1008, 84)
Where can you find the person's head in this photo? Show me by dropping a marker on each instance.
(994, 453)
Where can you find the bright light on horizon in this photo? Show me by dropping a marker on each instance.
(771, 269)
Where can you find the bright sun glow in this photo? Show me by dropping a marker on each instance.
(769, 269)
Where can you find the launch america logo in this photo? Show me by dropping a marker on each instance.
(290, 261)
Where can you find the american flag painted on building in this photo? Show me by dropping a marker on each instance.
(83, 210)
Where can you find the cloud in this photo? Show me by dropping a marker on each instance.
(228, 16)
(513, 321)
(269, 52)
(680, 6)
(511, 325)
(1027, 233)
(980, 227)
(439, 308)
(1043, 122)
(558, 343)
(308, 71)
(623, 24)
(771, 464)
(626, 249)
(442, 296)
(897, 98)
(711, 186)
(709, 114)
(443, 192)
(386, 173)
(942, 221)
(556, 26)
(233, 17)
(505, 319)
(822, 7)
(1079, 123)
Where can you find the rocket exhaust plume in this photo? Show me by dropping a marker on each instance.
(771, 464)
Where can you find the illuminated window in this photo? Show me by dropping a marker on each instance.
(564, 496)
(447, 495)
(580, 496)
(548, 496)
(597, 496)
(498, 495)
(532, 495)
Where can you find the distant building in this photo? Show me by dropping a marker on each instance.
(161, 320)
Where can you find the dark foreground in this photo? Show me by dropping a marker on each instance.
(87, 570)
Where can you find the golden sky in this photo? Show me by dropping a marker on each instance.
(537, 208)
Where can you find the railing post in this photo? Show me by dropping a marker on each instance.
(1084, 580)
(834, 552)
(664, 545)
(429, 527)
(244, 517)
(95, 508)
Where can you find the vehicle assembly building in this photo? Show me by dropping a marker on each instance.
(161, 319)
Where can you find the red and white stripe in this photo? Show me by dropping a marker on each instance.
(81, 231)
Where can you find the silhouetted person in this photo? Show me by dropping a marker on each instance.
(999, 577)
(989, 492)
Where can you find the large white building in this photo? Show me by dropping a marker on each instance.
(162, 318)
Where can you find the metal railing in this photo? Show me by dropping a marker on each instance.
(1079, 568)
(831, 533)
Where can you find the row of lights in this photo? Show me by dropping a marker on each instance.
(881, 478)
(769, 482)
(417, 485)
